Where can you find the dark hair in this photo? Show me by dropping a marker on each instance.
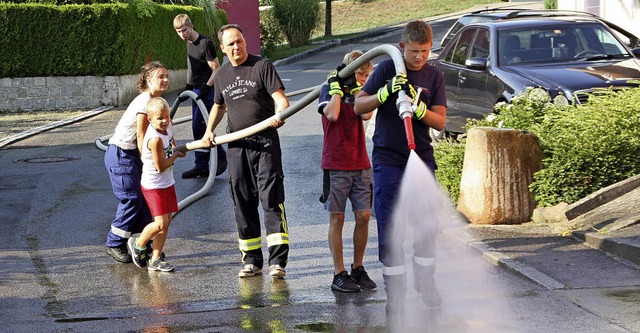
(145, 74)
(418, 32)
(227, 27)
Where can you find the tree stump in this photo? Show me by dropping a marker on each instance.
(498, 168)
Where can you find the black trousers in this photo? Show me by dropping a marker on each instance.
(256, 177)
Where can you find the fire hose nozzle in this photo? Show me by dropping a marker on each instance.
(405, 108)
(403, 103)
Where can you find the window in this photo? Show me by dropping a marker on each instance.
(481, 45)
(459, 53)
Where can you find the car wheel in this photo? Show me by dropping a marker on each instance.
(437, 135)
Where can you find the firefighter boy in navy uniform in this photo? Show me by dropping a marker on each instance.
(391, 152)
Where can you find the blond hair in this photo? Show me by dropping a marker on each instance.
(352, 56)
(156, 105)
(181, 20)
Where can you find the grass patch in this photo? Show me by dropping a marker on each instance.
(351, 17)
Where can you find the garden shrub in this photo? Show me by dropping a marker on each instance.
(450, 156)
(550, 4)
(270, 34)
(586, 147)
(297, 19)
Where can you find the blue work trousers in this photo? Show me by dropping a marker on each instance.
(198, 127)
(125, 169)
(386, 184)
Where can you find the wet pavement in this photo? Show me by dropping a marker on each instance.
(55, 276)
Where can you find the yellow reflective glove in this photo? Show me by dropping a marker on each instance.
(398, 82)
(335, 82)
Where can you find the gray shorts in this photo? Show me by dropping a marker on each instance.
(340, 185)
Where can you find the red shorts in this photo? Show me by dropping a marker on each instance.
(161, 200)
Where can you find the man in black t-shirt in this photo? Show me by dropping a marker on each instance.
(202, 64)
(245, 89)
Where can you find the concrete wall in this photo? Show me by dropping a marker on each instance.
(72, 93)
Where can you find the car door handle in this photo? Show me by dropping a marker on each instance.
(461, 79)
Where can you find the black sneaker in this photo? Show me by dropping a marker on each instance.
(139, 257)
(360, 276)
(196, 173)
(222, 167)
(119, 253)
(343, 282)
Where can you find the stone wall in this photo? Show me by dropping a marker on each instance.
(73, 93)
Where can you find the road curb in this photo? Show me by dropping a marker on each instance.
(601, 197)
(36, 130)
(622, 247)
(503, 260)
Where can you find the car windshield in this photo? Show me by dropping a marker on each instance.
(559, 43)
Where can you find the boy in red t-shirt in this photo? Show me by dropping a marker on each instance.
(347, 171)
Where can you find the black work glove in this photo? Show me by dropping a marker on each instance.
(185, 97)
(204, 91)
(335, 82)
(352, 84)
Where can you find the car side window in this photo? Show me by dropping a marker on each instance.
(481, 45)
(463, 43)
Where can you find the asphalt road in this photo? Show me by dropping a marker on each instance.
(57, 205)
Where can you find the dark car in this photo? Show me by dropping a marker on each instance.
(569, 56)
(493, 14)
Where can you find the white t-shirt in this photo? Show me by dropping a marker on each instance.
(151, 178)
(125, 134)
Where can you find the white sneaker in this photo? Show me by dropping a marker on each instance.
(249, 270)
(277, 271)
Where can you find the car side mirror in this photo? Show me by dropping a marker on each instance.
(478, 64)
(636, 52)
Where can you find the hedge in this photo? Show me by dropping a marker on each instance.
(98, 39)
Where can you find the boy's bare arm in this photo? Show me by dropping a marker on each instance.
(332, 109)
(365, 103)
(157, 151)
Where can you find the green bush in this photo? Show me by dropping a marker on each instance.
(297, 19)
(270, 34)
(100, 39)
(450, 157)
(586, 147)
(551, 4)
